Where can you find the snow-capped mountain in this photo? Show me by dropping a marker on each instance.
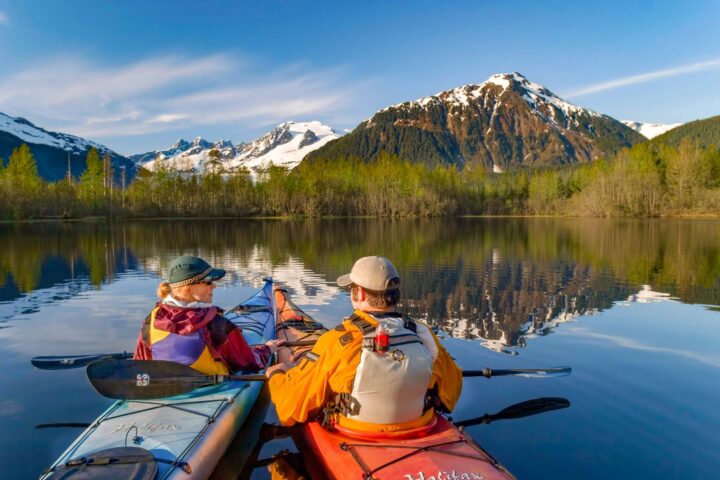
(179, 147)
(284, 146)
(29, 133)
(51, 149)
(650, 130)
(506, 121)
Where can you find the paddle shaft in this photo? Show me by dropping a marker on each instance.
(65, 362)
(526, 372)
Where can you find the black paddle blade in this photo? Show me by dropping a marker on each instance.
(532, 407)
(64, 362)
(520, 410)
(143, 379)
(63, 425)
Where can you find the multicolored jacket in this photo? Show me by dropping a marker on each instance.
(198, 337)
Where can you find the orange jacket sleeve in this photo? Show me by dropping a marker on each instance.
(447, 377)
(300, 393)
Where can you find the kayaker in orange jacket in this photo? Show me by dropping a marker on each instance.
(377, 371)
(185, 327)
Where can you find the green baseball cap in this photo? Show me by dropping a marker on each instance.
(187, 270)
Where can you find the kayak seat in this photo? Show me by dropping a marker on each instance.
(118, 463)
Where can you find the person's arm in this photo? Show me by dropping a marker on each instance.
(300, 392)
(227, 340)
(143, 350)
(446, 379)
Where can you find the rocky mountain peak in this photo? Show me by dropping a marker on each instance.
(505, 122)
(201, 142)
(308, 138)
(222, 144)
(277, 136)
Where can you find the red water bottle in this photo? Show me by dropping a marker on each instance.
(382, 339)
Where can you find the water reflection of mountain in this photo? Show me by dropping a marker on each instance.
(512, 299)
(307, 286)
(503, 280)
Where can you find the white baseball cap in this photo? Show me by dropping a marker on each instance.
(373, 273)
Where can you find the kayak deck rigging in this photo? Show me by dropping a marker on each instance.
(436, 448)
(177, 405)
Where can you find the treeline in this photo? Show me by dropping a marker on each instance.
(705, 131)
(646, 180)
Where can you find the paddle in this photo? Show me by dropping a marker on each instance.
(64, 362)
(521, 372)
(145, 379)
(519, 410)
(63, 425)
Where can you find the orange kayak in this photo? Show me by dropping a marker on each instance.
(437, 451)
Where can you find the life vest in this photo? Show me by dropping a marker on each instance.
(389, 386)
(191, 349)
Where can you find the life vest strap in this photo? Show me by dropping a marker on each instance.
(363, 325)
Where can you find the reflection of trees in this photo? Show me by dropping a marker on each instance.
(40, 255)
(500, 279)
(21, 261)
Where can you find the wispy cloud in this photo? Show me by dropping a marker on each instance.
(4, 20)
(645, 77)
(169, 93)
(630, 343)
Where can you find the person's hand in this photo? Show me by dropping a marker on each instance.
(279, 367)
(274, 344)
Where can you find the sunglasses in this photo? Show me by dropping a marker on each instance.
(208, 283)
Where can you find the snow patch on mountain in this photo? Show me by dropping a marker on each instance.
(286, 146)
(534, 94)
(27, 132)
(650, 130)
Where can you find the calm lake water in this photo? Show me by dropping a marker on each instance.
(631, 306)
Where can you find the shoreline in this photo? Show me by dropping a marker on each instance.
(97, 219)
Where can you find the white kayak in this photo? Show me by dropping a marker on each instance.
(180, 437)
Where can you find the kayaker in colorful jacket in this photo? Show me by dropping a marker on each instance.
(185, 327)
(377, 371)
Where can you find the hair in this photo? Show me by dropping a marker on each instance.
(381, 298)
(164, 290)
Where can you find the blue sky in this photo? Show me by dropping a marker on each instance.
(137, 75)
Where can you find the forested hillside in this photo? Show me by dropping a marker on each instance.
(706, 132)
